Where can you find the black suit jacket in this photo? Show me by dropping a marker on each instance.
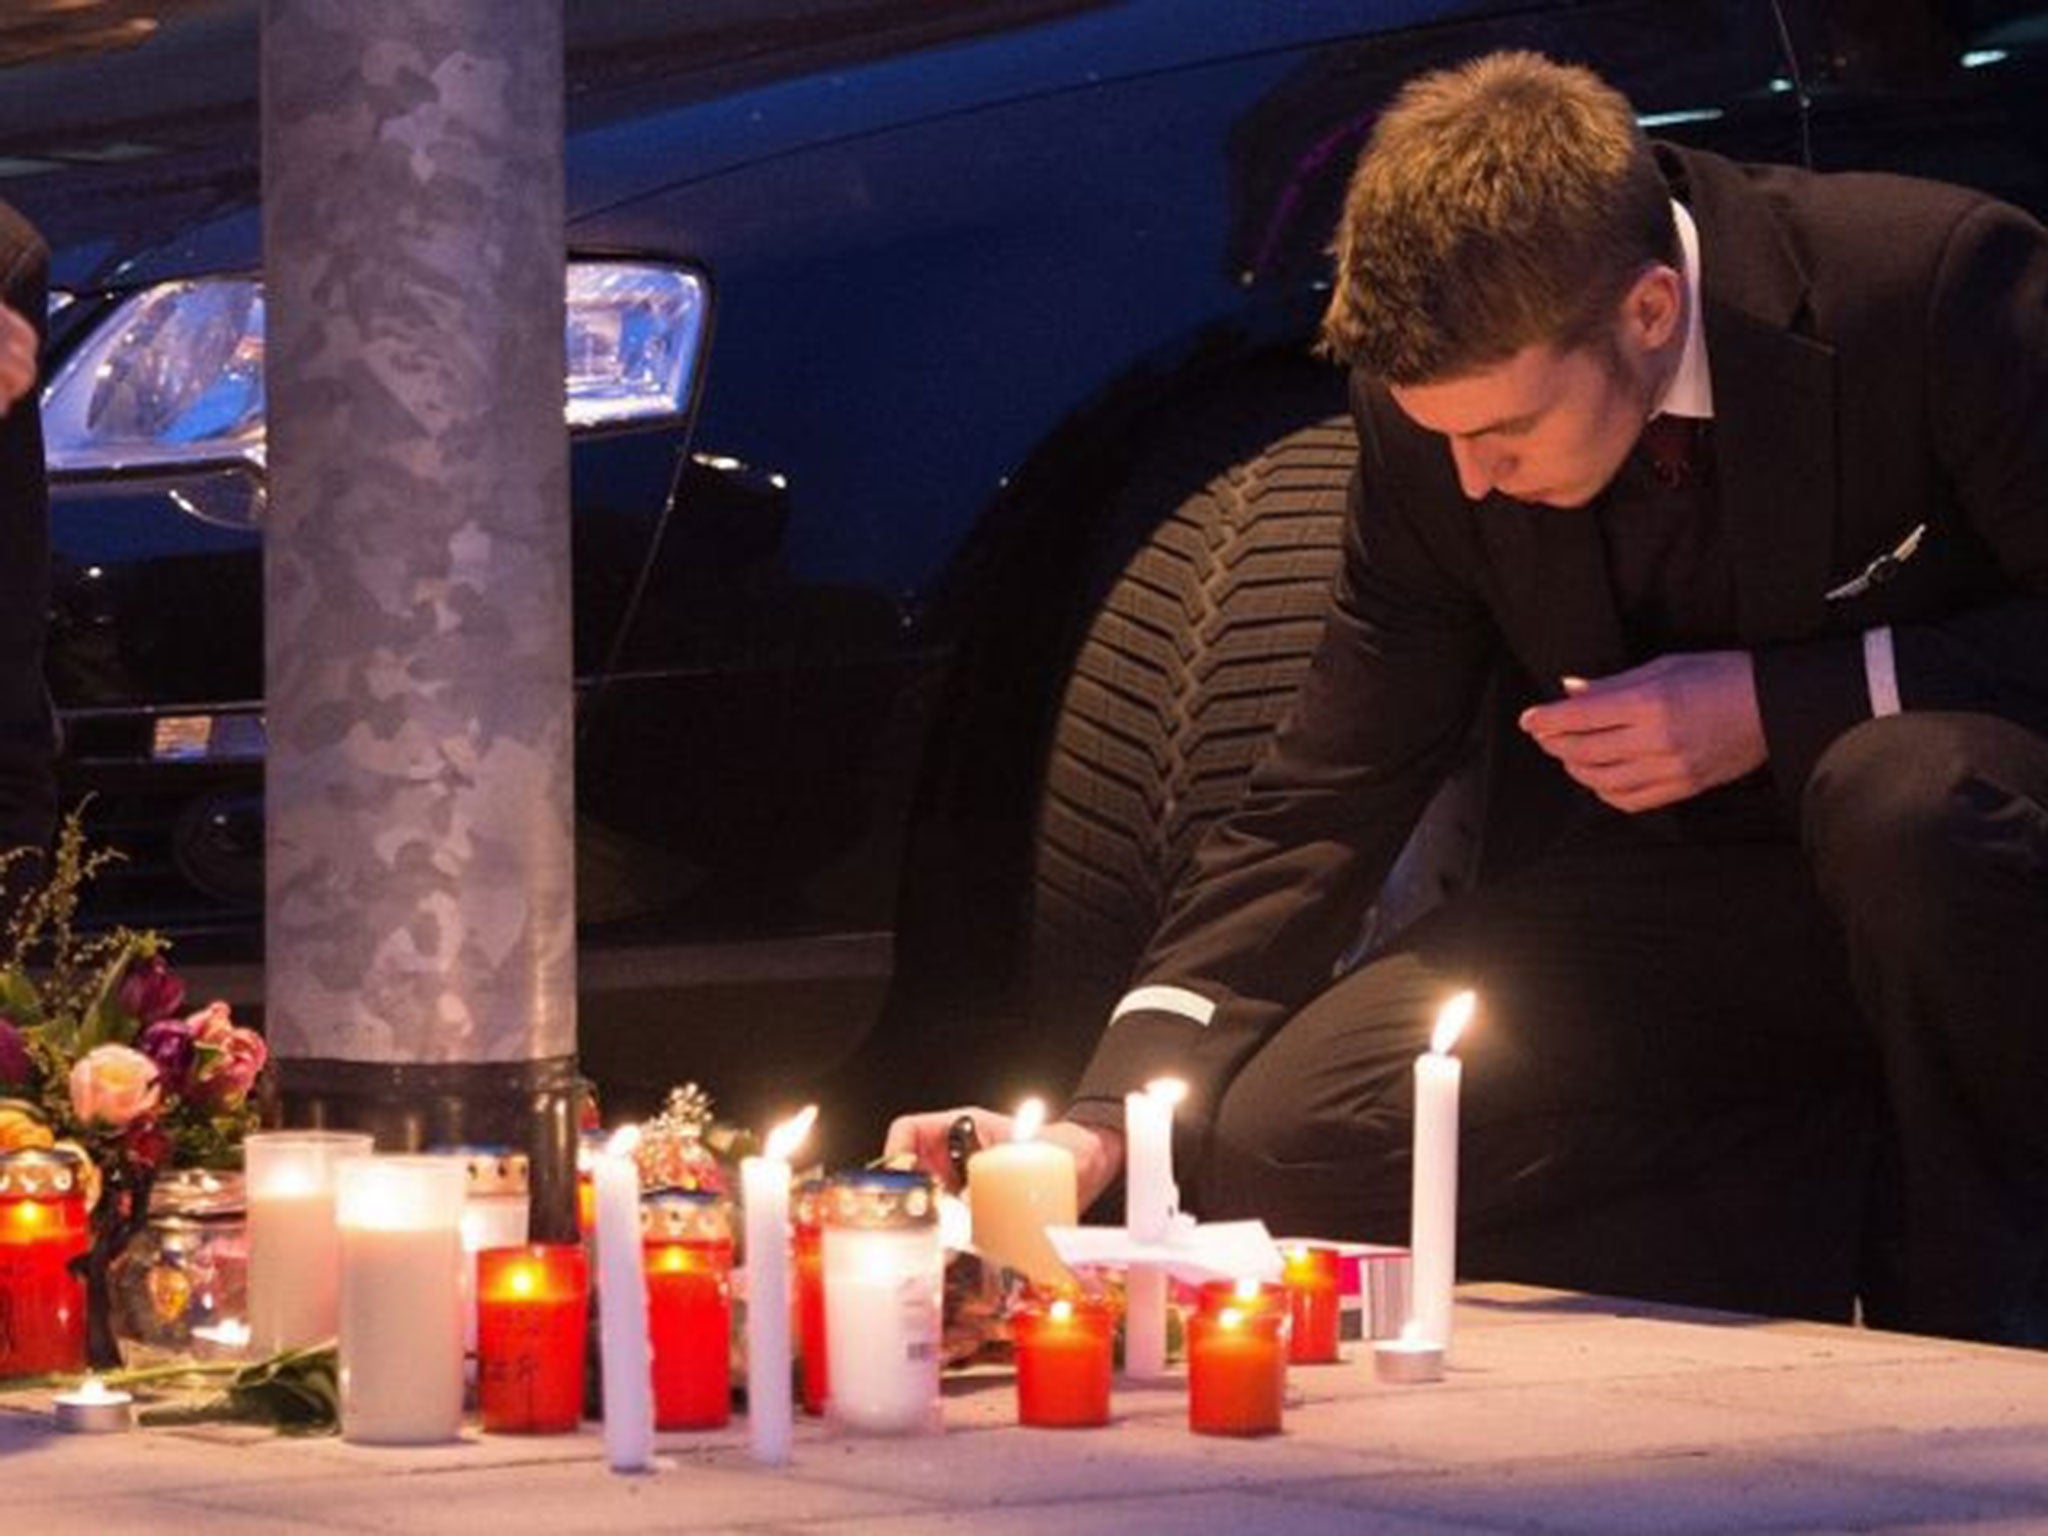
(27, 735)
(1879, 349)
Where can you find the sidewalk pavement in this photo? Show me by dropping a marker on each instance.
(1561, 1413)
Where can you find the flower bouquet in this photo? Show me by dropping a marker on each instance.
(99, 1055)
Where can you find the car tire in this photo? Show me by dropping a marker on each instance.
(1184, 670)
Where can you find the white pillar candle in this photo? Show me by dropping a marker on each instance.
(1015, 1189)
(294, 1248)
(1151, 1200)
(628, 1364)
(400, 1220)
(764, 1192)
(1434, 1211)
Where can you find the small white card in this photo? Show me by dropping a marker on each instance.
(1192, 1252)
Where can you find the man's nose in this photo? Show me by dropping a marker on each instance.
(1478, 466)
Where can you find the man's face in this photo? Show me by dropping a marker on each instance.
(1544, 426)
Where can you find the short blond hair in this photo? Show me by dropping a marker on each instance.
(1507, 202)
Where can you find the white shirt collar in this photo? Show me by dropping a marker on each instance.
(1691, 391)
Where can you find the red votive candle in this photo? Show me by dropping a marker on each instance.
(1237, 1371)
(42, 1229)
(688, 1236)
(1063, 1362)
(1245, 1295)
(1312, 1305)
(808, 1246)
(532, 1311)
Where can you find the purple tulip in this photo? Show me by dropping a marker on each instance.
(15, 1066)
(169, 1043)
(151, 990)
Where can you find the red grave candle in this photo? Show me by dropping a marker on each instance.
(688, 1236)
(1312, 1304)
(810, 1293)
(42, 1229)
(1237, 1370)
(1063, 1362)
(533, 1305)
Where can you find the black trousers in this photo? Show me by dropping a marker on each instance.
(1763, 1075)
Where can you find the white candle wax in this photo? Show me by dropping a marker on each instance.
(1150, 1198)
(882, 1327)
(764, 1191)
(1016, 1188)
(400, 1220)
(622, 1310)
(1434, 1211)
(294, 1296)
(1144, 1321)
(488, 1221)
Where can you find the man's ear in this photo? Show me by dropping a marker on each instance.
(1654, 306)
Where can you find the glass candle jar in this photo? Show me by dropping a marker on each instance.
(294, 1244)
(400, 1224)
(884, 1275)
(806, 1224)
(42, 1229)
(181, 1286)
(1064, 1347)
(1312, 1304)
(1237, 1370)
(687, 1238)
(533, 1303)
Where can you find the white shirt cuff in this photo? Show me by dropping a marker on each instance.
(1189, 1005)
(1880, 672)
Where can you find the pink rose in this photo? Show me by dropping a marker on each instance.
(112, 1084)
(225, 1058)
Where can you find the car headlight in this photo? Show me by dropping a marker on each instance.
(173, 377)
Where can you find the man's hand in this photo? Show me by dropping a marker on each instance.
(1098, 1154)
(1658, 733)
(17, 358)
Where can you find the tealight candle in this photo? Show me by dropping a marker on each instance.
(1237, 1370)
(1016, 1188)
(1434, 1210)
(93, 1408)
(1312, 1300)
(42, 1229)
(1410, 1358)
(533, 1304)
(294, 1245)
(1064, 1349)
(764, 1185)
(400, 1220)
(688, 1249)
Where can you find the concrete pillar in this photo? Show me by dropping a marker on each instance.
(420, 960)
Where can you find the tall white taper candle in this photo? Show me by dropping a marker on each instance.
(764, 1190)
(622, 1308)
(1150, 1202)
(1433, 1229)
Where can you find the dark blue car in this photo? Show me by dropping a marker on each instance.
(954, 488)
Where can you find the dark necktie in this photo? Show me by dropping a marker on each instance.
(1677, 451)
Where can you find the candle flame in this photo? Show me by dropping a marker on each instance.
(1230, 1317)
(623, 1141)
(788, 1136)
(1060, 1310)
(1167, 1090)
(1030, 1116)
(1451, 1020)
(1247, 1288)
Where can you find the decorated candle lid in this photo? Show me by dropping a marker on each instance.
(685, 1216)
(198, 1194)
(881, 1197)
(491, 1170)
(41, 1173)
